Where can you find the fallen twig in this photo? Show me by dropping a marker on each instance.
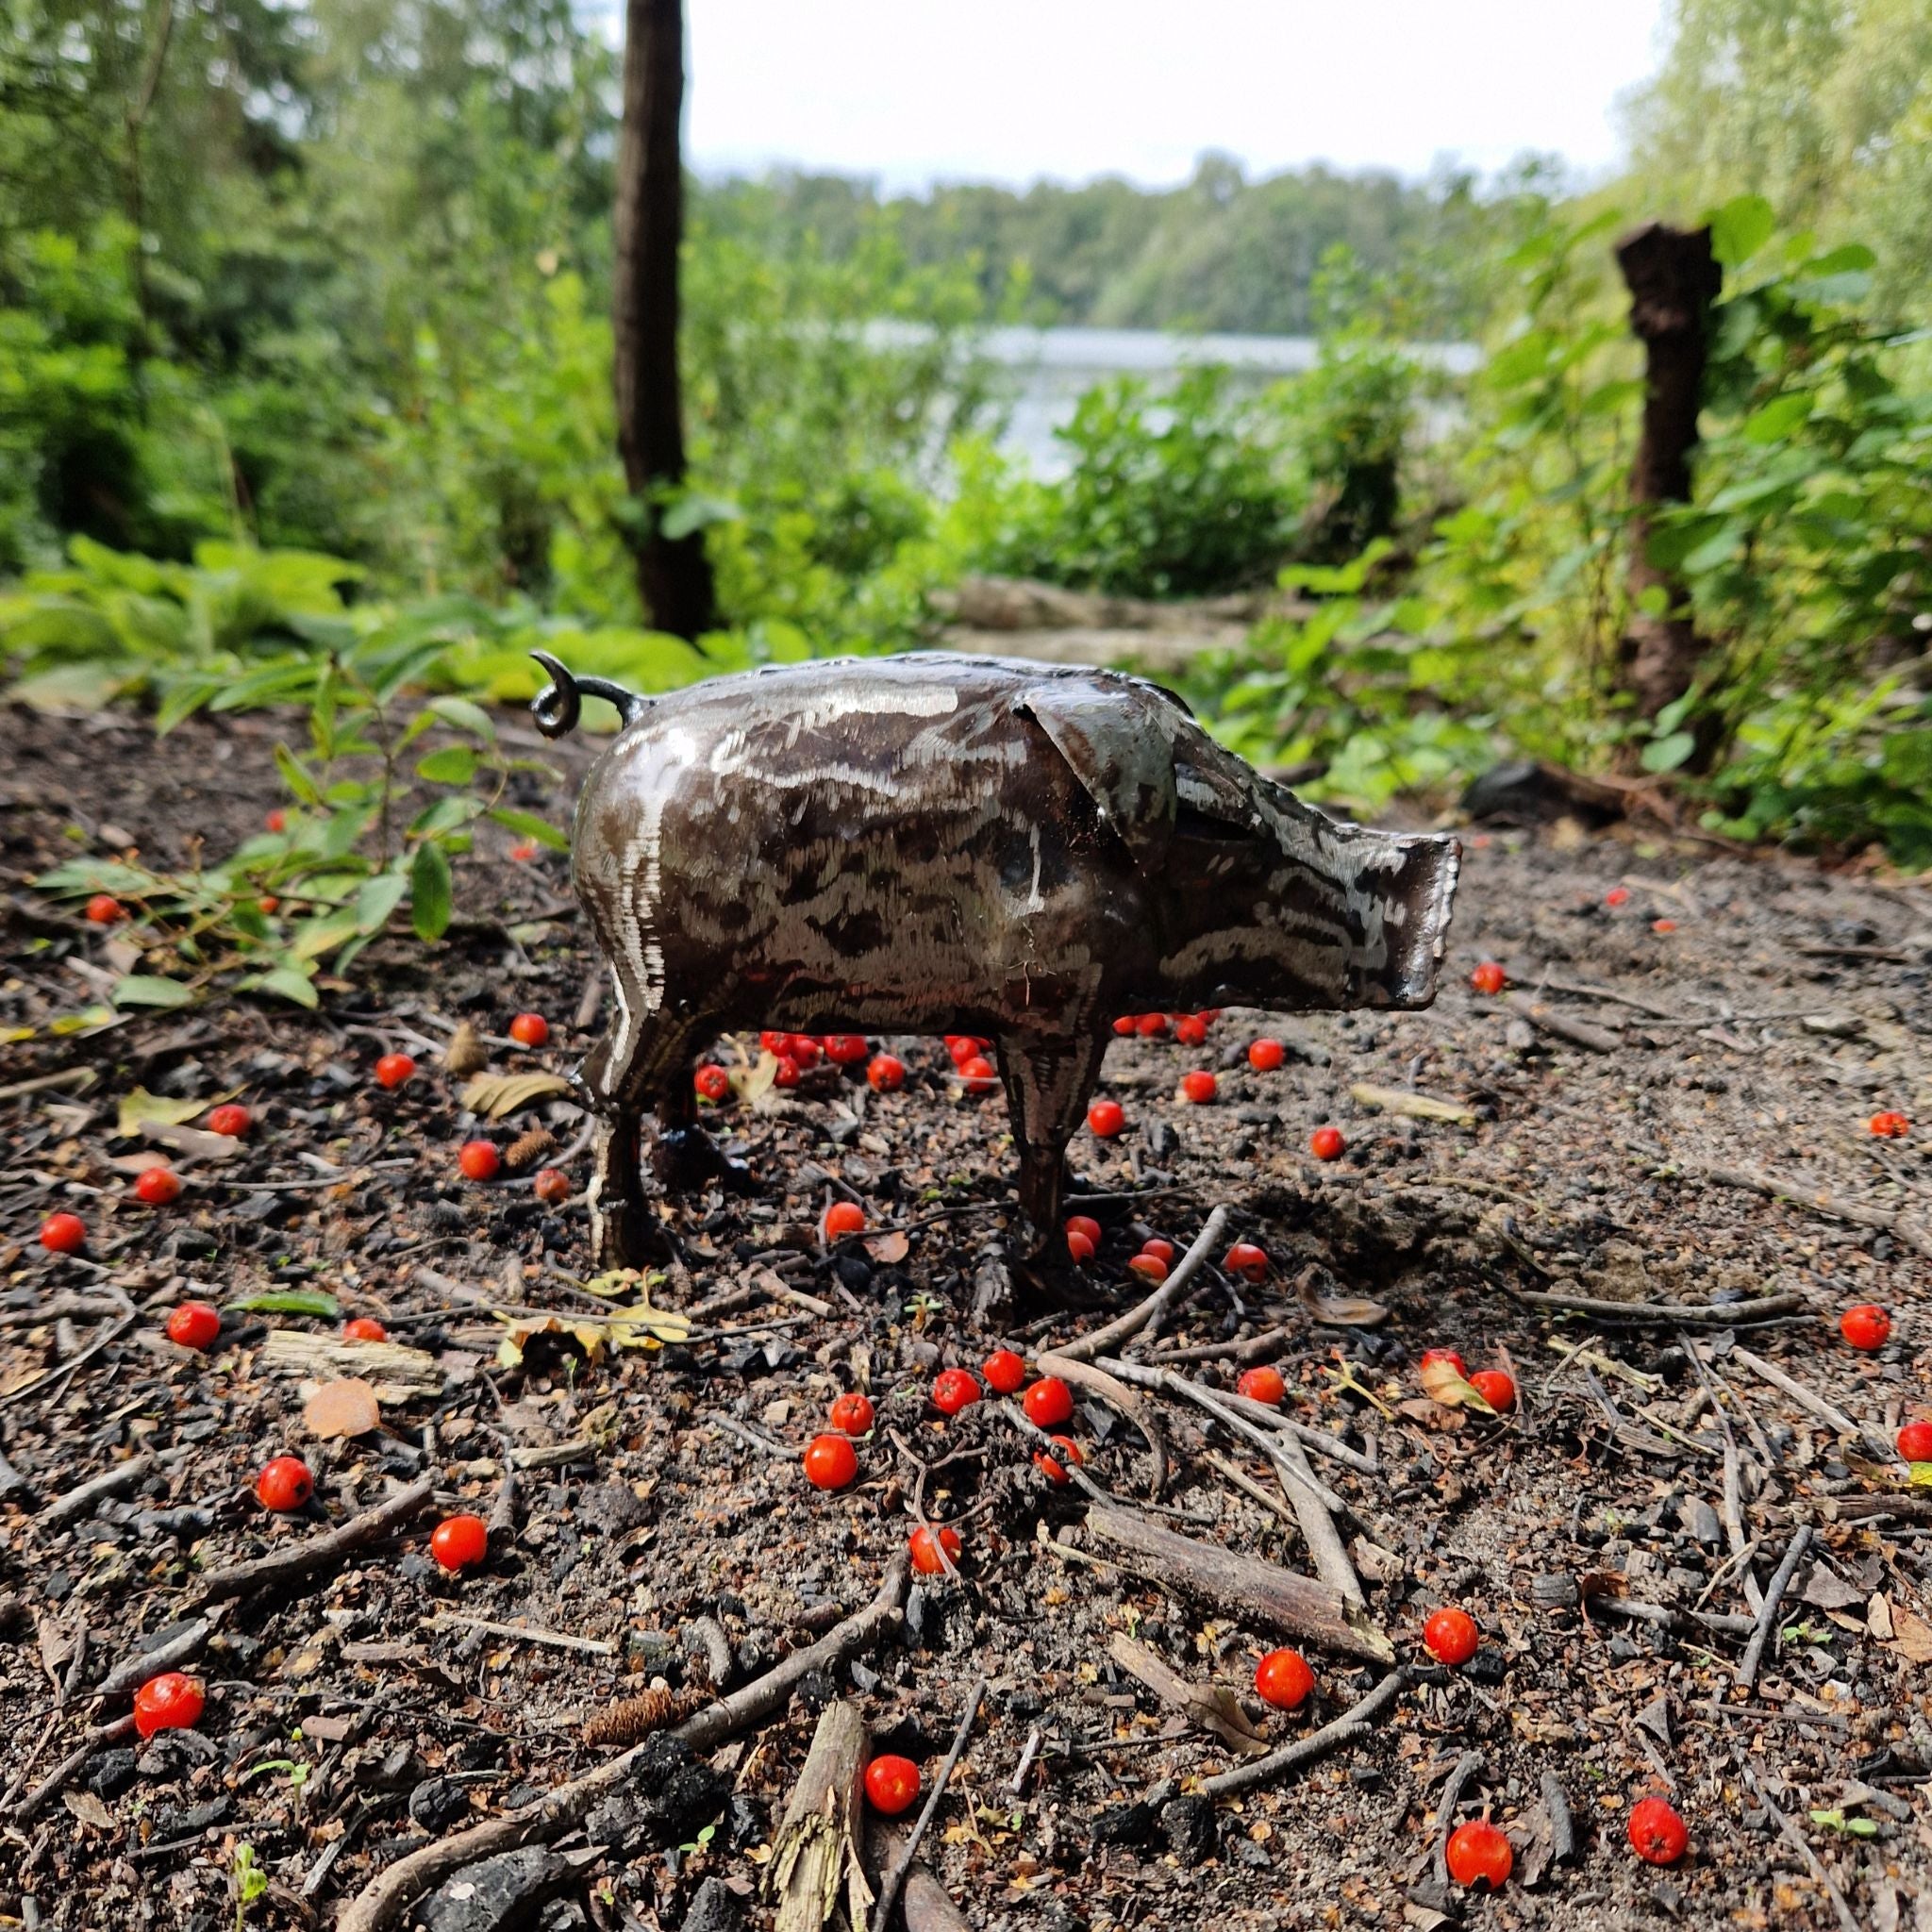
(523, 1633)
(1151, 1312)
(70, 1765)
(1847, 1919)
(1356, 1721)
(183, 1647)
(83, 1496)
(1763, 1308)
(1105, 1385)
(1774, 1187)
(815, 1855)
(1213, 1707)
(1753, 1659)
(1812, 1404)
(315, 1552)
(1468, 1768)
(895, 1877)
(1250, 1349)
(1420, 1106)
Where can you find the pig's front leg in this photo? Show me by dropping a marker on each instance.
(1048, 1085)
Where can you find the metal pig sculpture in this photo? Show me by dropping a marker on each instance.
(933, 845)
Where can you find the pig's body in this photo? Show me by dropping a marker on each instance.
(935, 843)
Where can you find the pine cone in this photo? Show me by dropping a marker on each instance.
(527, 1147)
(632, 1718)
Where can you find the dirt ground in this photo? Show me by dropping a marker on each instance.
(1669, 1107)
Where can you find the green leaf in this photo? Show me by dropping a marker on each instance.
(532, 827)
(430, 894)
(296, 775)
(314, 937)
(286, 983)
(1778, 417)
(289, 1301)
(378, 898)
(144, 989)
(143, 1106)
(693, 513)
(1740, 228)
(465, 716)
(1667, 754)
(455, 764)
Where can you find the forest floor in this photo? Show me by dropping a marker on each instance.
(1669, 1111)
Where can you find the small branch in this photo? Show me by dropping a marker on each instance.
(889, 1891)
(1814, 1405)
(1753, 1659)
(1764, 1308)
(1100, 1382)
(317, 1551)
(133, 1671)
(70, 1765)
(1356, 1722)
(1860, 1213)
(523, 1633)
(1150, 1313)
(1847, 1919)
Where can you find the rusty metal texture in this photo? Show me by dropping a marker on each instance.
(936, 844)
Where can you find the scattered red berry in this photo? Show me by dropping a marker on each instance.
(772, 1044)
(961, 1047)
(1245, 1259)
(1478, 1851)
(1084, 1223)
(523, 851)
(954, 1389)
(1048, 1403)
(460, 1542)
(925, 1557)
(1453, 1356)
(712, 1083)
(277, 821)
(1125, 1024)
(231, 1121)
(852, 1414)
(172, 1702)
(1658, 1833)
(364, 1328)
(157, 1185)
(63, 1234)
(1149, 1267)
(1054, 1468)
(1161, 1250)
(830, 1462)
(1105, 1118)
(268, 903)
(1496, 1388)
(1325, 1144)
(284, 1484)
(1265, 1055)
(392, 1068)
(842, 1218)
(803, 1050)
(194, 1325)
(847, 1049)
(1198, 1086)
(786, 1073)
(892, 1785)
(1915, 1442)
(1488, 977)
(977, 1074)
(1663, 925)
(1191, 1029)
(1079, 1247)
(885, 1073)
(1152, 1026)
(479, 1160)
(1617, 895)
(1888, 1126)
(529, 1030)
(105, 909)
(551, 1186)
(1451, 1637)
(1284, 1680)
(1867, 1326)
(1263, 1385)
(1003, 1370)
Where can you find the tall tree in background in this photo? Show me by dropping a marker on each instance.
(673, 576)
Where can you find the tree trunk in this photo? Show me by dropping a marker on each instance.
(674, 576)
(1672, 280)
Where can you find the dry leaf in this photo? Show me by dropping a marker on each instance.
(495, 1095)
(1440, 1383)
(89, 1809)
(143, 1106)
(751, 1084)
(1913, 1638)
(1878, 1618)
(1213, 1707)
(465, 1053)
(1420, 1106)
(1344, 1310)
(195, 1141)
(344, 1407)
(888, 1248)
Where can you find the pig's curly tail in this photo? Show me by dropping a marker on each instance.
(557, 707)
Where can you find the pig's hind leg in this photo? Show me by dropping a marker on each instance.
(1048, 1084)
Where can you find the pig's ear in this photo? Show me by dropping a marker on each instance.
(1117, 735)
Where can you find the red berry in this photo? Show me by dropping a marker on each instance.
(1245, 1259)
(268, 903)
(364, 1328)
(523, 850)
(105, 909)
(712, 1083)
(1915, 1442)
(847, 1049)
(1198, 1086)
(1048, 1403)
(852, 1414)
(1265, 1054)
(1191, 1029)
(786, 1073)
(1084, 1223)
(392, 1068)
(1888, 1126)
(1866, 1327)
(977, 1071)
(1496, 1388)
(830, 1462)
(961, 1047)
(277, 821)
(1161, 1250)
(1003, 1370)
(885, 1073)
(157, 1185)
(1432, 1355)
(1126, 1026)
(803, 1051)
(1488, 977)
(1663, 925)
(1150, 1267)
(551, 1186)
(231, 1119)
(284, 1484)
(1151, 1025)
(63, 1234)
(892, 1785)
(1055, 1469)
(1658, 1833)
(925, 1559)
(1263, 1385)
(1479, 1851)
(1617, 895)
(460, 1542)
(842, 1218)
(772, 1044)
(194, 1325)
(479, 1160)
(172, 1702)
(1284, 1680)
(954, 1389)
(1325, 1144)
(1105, 1118)
(1450, 1636)
(529, 1030)
(1079, 1247)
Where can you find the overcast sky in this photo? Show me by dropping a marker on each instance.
(914, 91)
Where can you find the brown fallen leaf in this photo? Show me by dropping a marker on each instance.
(465, 1053)
(1344, 1310)
(344, 1407)
(888, 1248)
(1441, 1383)
(1213, 1707)
(89, 1809)
(1913, 1636)
(1420, 1106)
(493, 1096)
(1878, 1618)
